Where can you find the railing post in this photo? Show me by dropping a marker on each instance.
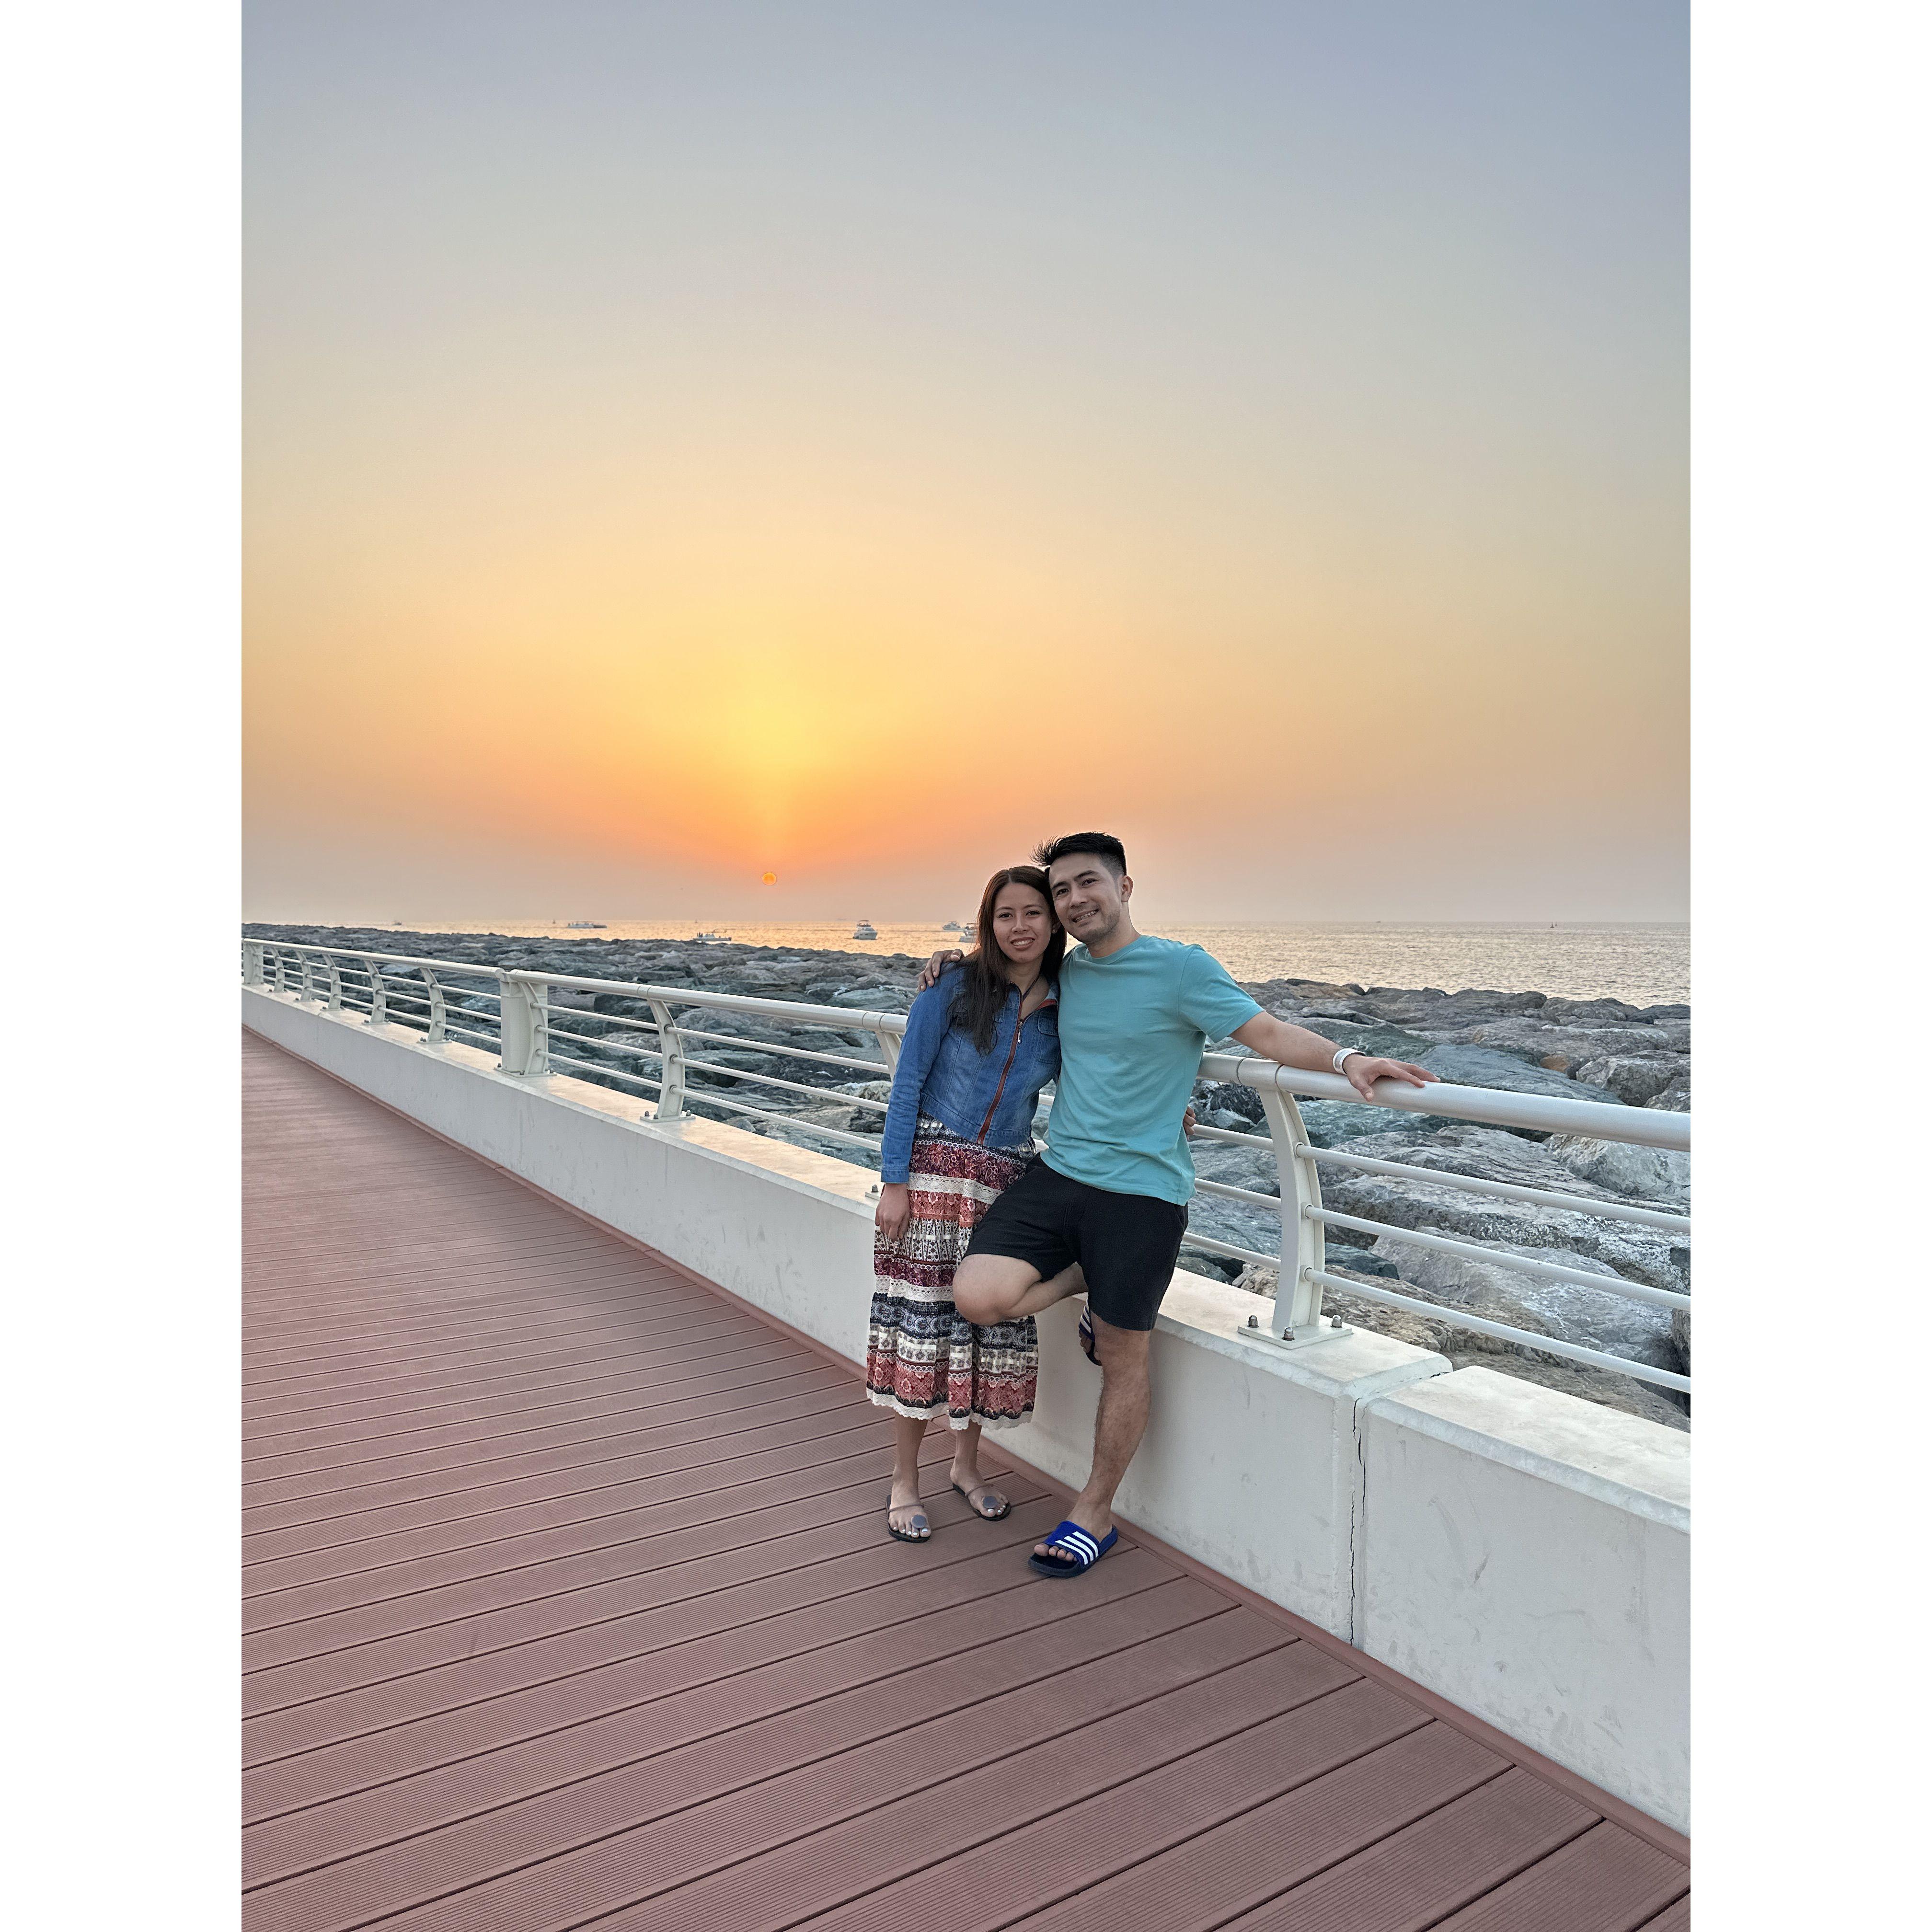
(281, 973)
(378, 1000)
(524, 1006)
(889, 1046)
(251, 962)
(436, 1035)
(329, 960)
(670, 1043)
(1296, 1318)
(308, 979)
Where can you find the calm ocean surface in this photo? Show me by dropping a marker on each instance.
(1645, 964)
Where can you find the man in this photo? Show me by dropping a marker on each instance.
(1106, 1205)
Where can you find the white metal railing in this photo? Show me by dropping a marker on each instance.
(532, 1036)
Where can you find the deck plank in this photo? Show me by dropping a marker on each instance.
(567, 1599)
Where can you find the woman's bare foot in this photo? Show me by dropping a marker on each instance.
(905, 1515)
(982, 1500)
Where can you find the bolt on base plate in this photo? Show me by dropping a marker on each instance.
(1326, 1329)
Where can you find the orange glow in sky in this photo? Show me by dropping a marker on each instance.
(693, 470)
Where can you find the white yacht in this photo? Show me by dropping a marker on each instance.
(864, 929)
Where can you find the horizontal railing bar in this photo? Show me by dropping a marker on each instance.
(1548, 1344)
(1640, 1126)
(796, 1012)
(609, 1019)
(614, 1073)
(1420, 1237)
(482, 1038)
(609, 1045)
(794, 1086)
(1228, 1248)
(783, 1120)
(1238, 1193)
(788, 1052)
(1201, 1133)
(1508, 1190)
(388, 959)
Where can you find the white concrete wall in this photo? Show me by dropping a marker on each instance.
(1528, 1555)
(1319, 1479)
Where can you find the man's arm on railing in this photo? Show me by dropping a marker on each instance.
(1292, 1045)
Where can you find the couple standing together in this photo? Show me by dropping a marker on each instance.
(975, 1236)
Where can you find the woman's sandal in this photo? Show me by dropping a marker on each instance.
(1072, 1550)
(919, 1530)
(985, 1515)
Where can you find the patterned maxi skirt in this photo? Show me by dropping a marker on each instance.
(922, 1358)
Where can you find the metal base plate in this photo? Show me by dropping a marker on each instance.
(1327, 1329)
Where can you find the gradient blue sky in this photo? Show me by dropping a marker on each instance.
(684, 442)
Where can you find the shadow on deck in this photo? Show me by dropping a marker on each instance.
(568, 1600)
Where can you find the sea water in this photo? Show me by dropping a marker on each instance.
(1645, 964)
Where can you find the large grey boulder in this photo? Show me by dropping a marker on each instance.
(1596, 1318)
(1659, 1174)
(1486, 1066)
(1487, 1153)
(1636, 1079)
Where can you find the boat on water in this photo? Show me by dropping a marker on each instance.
(711, 939)
(864, 929)
(587, 925)
(953, 926)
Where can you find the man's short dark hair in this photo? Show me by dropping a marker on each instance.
(1103, 845)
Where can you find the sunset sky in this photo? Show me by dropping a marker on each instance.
(849, 442)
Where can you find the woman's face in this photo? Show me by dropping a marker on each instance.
(1022, 922)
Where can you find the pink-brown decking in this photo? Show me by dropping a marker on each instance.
(569, 1602)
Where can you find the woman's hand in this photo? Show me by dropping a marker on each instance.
(928, 974)
(894, 1210)
(1187, 1121)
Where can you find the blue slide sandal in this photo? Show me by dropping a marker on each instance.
(1087, 1336)
(1075, 1551)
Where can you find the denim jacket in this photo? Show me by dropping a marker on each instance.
(987, 1097)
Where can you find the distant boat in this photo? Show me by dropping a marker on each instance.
(587, 925)
(953, 926)
(864, 929)
(711, 939)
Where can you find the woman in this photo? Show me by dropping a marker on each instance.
(978, 1046)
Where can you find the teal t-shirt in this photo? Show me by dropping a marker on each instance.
(1132, 1028)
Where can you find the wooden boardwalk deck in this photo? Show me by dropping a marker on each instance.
(569, 1602)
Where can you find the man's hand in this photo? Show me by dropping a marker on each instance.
(1361, 1073)
(894, 1210)
(928, 974)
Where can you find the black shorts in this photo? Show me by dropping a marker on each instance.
(1127, 1244)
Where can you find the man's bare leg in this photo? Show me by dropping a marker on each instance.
(1118, 1427)
(986, 1289)
(1044, 1294)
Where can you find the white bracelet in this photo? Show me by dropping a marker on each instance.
(1342, 1053)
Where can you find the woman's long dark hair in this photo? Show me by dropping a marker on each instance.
(977, 1007)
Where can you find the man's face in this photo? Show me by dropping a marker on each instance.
(1087, 897)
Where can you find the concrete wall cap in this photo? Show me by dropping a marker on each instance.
(1212, 1314)
(1620, 1460)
